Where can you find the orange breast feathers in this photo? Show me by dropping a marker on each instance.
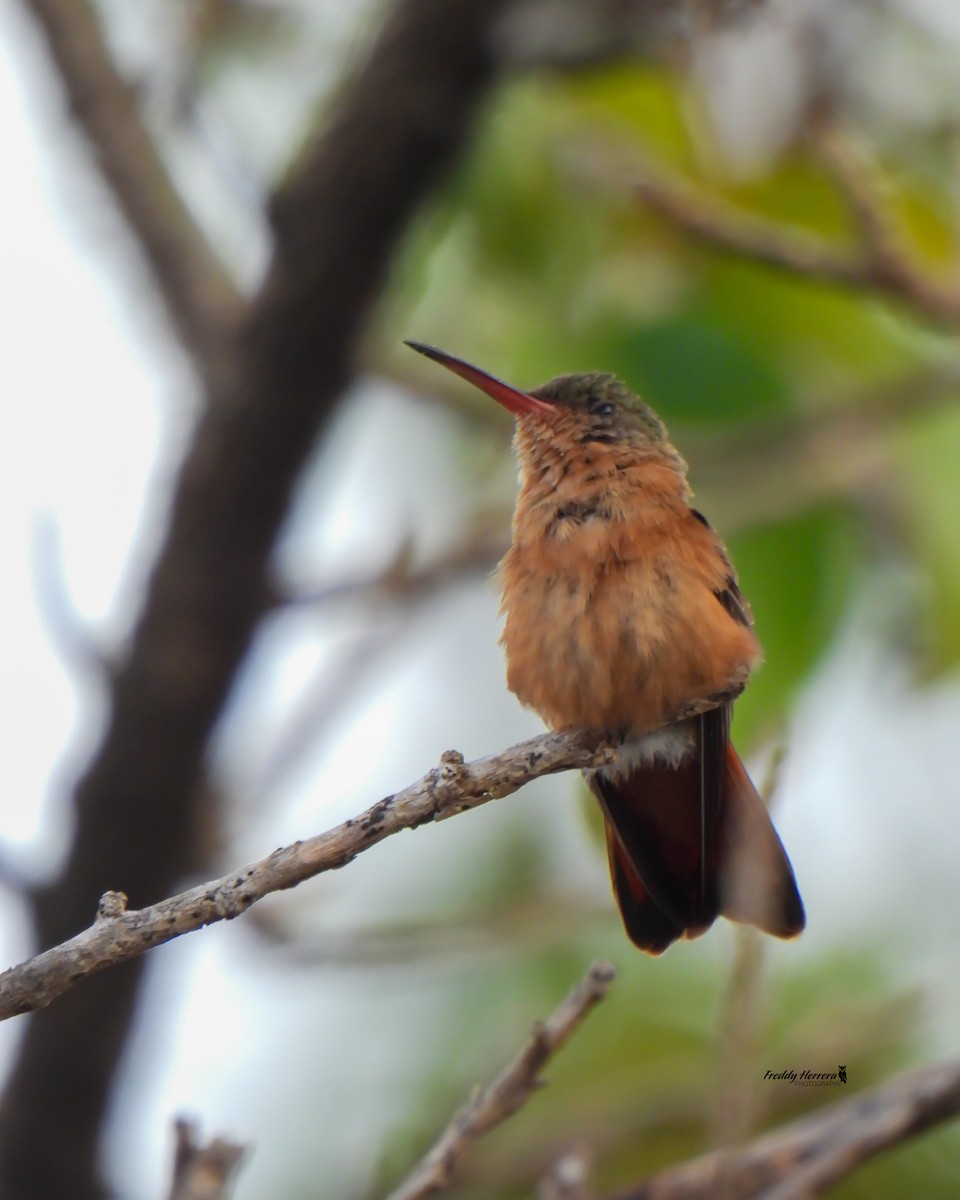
(611, 592)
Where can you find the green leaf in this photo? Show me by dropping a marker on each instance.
(797, 576)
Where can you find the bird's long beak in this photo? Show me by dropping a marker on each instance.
(517, 402)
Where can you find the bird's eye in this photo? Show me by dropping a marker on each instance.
(602, 409)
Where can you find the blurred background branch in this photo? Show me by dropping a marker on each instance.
(404, 581)
(808, 1156)
(200, 298)
(505, 1095)
(881, 262)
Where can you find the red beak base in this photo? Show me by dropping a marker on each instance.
(517, 402)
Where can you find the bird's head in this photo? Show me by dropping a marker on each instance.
(605, 410)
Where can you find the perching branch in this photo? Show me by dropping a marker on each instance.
(454, 786)
(801, 1159)
(509, 1092)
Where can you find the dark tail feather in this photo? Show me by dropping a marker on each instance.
(660, 820)
(647, 924)
(757, 885)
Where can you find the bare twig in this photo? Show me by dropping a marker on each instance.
(202, 1171)
(801, 1159)
(119, 935)
(509, 1092)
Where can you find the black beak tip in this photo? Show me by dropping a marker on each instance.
(423, 348)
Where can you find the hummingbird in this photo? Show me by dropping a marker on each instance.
(623, 615)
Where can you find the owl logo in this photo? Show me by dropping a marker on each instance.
(842, 1072)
